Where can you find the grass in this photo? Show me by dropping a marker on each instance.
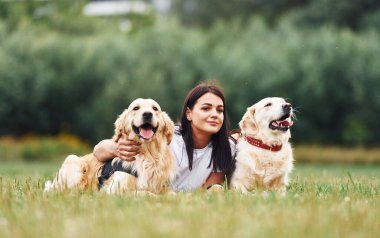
(33, 148)
(322, 201)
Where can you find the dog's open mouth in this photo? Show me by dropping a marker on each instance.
(145, 131)
(282, 124)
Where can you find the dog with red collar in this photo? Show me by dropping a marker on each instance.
(264, 157)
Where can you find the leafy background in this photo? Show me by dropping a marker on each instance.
(64, 72)
(64, 78)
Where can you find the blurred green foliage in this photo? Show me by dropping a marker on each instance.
(41, 148)
(61, 71)
(353, 14)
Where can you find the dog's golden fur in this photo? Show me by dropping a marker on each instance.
(143, 121)
(258, 168)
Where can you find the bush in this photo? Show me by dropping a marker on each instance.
(52, 82)
(328, 74)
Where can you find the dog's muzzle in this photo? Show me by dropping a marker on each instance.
(283, 123)
(145, 131)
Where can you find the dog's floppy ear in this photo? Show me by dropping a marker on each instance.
(168, 127)
(248, 123)
(119, 126)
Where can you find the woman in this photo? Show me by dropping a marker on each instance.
(200, 143)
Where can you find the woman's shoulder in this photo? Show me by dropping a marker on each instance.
(177, 129)
(233, 146)
(177, 137)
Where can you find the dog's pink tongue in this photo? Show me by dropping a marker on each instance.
(286, 123)
(146, 133)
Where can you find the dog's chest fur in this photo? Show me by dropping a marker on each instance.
(154, 173)
(262, 166)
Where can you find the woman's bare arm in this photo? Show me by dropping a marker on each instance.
(109, 149)
(214, 178)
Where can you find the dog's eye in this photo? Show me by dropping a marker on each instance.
(268, 104)
(155, 108)
(136, 108)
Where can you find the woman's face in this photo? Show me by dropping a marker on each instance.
(206, 116)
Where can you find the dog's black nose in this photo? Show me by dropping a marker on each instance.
(287, 106)
(147, 115)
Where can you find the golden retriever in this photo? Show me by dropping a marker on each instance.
(264, 157)
(151, 171)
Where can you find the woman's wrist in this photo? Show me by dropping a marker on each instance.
(105, 150)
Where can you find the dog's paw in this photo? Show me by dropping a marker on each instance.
(171, 193)
(48, 186)
(143, 193)
(241, 189)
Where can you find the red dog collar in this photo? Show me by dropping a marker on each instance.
(260, 144)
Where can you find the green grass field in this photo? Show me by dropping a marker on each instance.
(322, 201)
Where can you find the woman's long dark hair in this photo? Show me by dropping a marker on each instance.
(221, 158)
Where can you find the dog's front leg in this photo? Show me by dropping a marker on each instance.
(119, 182)
(278, 185)
(240, 184)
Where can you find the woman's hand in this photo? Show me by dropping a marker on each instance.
(123, 149)
(127, 149)
(214, 182)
